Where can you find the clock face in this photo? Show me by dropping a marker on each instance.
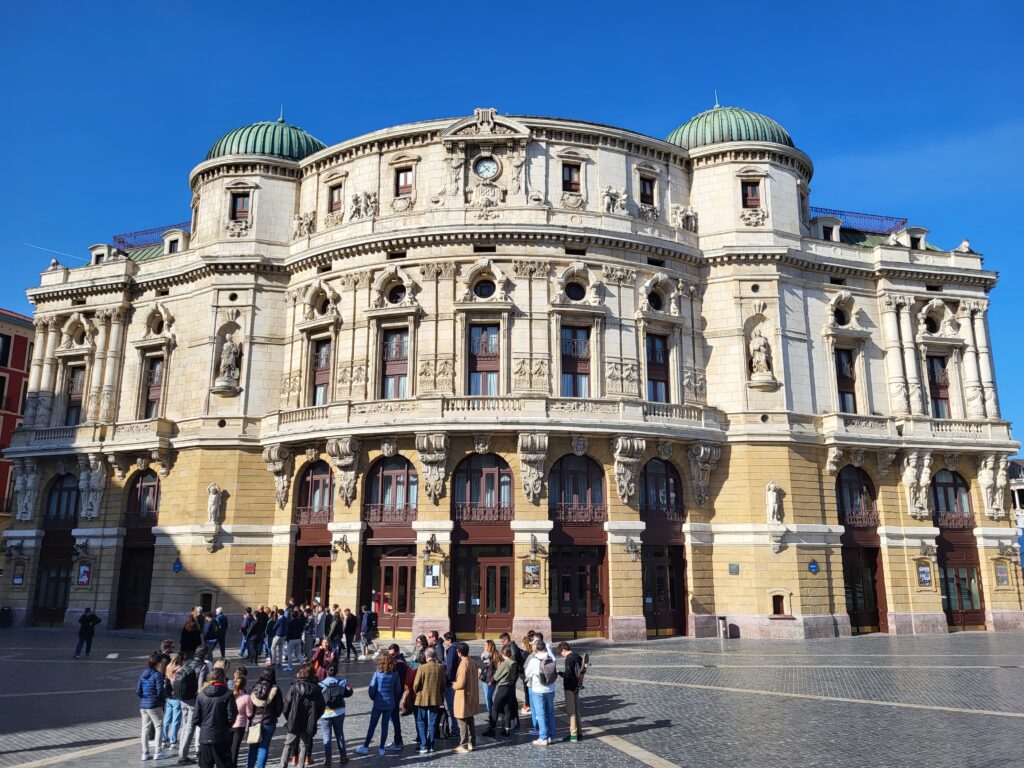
(486, 167)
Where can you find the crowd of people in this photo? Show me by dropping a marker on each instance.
(187, 698)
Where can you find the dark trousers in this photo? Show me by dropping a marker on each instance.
(83, 641)
(350, 647)
(504, 707)
(467, 732)
(237, 737)
(221, 641)
(255, 646)
(215, 755)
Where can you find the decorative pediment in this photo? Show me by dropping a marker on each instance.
(572, 155)
(486, 125)
(404, 158)
(647, 169)
(751, 172)
(480, 270)
(319, 304)
(77, 334)
(393, 288)
(579, 273)
(241, 186)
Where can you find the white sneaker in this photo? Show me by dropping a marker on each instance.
(540, 743)
(145, 756)
(161, 755)
(361, 658)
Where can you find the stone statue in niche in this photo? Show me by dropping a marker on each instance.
(228, 373)
(773, 510)
(213, 504)
(760, 358)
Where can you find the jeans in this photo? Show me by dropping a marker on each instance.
(545, 706)
(367, 643)
(185, 736)
(258, 752)
(426, 725)
(172, 720)
(572, 709)
(384, 716)
(533, 709)
(449, 704)
(83, 641)
(151, 717)
(333, 727)
(489, 697)
(293, 653)
(277, 649)
(243, 649)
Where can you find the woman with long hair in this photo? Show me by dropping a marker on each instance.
(489, 661)
(172, 706)
(245, 711)
(385, 691)
(191, 636)
(268, 703)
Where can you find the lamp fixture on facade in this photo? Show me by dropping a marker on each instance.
(632, 549)
(340, 545)
(431, 548)
(13, 550)
(81, 549)
(534, 546)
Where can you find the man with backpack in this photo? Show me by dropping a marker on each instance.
(336, 690)
(572, 678)
(185, 687)
(541, 676)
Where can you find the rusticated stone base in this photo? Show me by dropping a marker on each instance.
(702, 625)
(422, 625)
(760, 627)
(906, 623)
(627, 629)
(523, 624)
(1004, 621)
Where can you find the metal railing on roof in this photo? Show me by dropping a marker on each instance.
(144, 237)
(864, 222)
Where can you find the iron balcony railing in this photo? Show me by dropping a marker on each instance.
(579, 514)
(938, 378)
(673, 512)
(314, 515)
(144, 237)
(578, 349)
(388, 514)
(955, 520)
(481, 512)
(484, 346)
(657, 356)
(859, 516)
(396, 350)
(322, 360)
(846, 371)
(864, 222)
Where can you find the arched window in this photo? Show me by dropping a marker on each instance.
(855, 498)
(391, 492)
(576, 491)
(144, 498)
(316, 495)
(482, 490)
(661, 492)
(62, 502)
(951, 500)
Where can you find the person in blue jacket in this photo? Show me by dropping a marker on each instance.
(150, 690)
(279, 643)
(386, 693)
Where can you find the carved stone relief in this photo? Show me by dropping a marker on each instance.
(623, 378)
(481, 444)
(237, 228)
(627, 452)
(916, 477)
(388, 446)
(646, 212)
(885, 459)
(618, 275)
(703, 461)
(579, 445)
(303, 224)
(432, 448)
(664, 448)
(754, 217)
(344, 453)
(362, 206)
(280, 463)
(832, 461)
(614, 200)
(773, 503)
(533, 452)
(684, 217)
(26, 486)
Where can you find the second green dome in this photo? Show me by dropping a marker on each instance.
(723, 124)
(277, 139)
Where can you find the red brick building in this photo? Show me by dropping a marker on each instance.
(16, 335)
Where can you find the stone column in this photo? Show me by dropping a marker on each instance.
(48, 376)
(988, 378)
(915, 393)
(894, 358)
(96, 378)
(975, 406)
(531, 543)
(36, 372)
(432, 604)
(626, 620)
(112, 367)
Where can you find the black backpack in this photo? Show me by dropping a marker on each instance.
(334, 696)
(186, 682)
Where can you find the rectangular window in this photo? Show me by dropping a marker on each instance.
(172, 246)
(846, 380)
(828, 233)
(153, 382)
(239, 206)
(570, 177)
(575, 344)
(76, 389)
(938, 386)
(334, 199)
(24, 397)
(4, 405)
(321, 371)
(484, 359)
(915, 243)
(395, 365)
(657, 368)
(403, 182)
(5, 350)
(751, 194)
(646, 191)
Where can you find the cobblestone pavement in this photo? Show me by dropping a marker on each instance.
(908, 702)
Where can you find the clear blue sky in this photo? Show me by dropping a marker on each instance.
(911, 109)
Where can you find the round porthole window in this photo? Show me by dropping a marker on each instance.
(397, 294)
(158, 327)
(484, 289)
(755, 288)
(575, 292)
(655, 302)
(931, 325)
(840, 317)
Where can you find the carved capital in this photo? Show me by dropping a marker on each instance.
(280, 463)
(432, 448)
(832, 462)
(533, 453)
(703, 461)
(627, 451)
(344, 453)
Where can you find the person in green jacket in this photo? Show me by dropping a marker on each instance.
(505, 704)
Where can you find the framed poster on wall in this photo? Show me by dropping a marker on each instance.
(924, 575)
(84, 574)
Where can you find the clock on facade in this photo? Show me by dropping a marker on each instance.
(486, 168)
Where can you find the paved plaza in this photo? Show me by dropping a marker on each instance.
(910, 702)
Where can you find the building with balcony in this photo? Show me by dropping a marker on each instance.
(497, 373)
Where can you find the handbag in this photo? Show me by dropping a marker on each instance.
(253, 734)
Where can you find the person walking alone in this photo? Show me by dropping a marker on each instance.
(216, 714)
(150, 690)
(572, 684)
(385, 691)
(222, 632)
(428, 688)
(243, 630)
(86, 632)
(349, 628)
(335, 690)
(467, 698)
(368, 629)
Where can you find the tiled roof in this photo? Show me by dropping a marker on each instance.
(16, 318)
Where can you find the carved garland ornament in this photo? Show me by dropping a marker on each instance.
(432, 448)
(627, 452)
(703, 461)
(280, 463)
(533, 452)
(344, 453)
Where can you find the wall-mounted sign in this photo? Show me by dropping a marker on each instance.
(432, 575)
(531, 574)
(813, 566)
(18, 574)
(924, 575)
(84, 574)
(734, 569)
(1002, 575)
(250, 569)
(177, 565)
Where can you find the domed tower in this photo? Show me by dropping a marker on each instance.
(246, 189)
(750, 183)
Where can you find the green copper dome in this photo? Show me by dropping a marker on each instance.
(721, 124)
(277, 139)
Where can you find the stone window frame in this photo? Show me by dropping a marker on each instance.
(787, 603)
(818, 224)
(66, 362)
(408, 320)
(401, 203)
(673, 328)
(952, 350)
(579, 315)
(480, 314)
(855, 340)
(153, 344)
(240, 186)
(753, 174)
(644, 170)
(328, 181)
(572, 156)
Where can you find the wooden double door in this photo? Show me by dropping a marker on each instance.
(311, 583)
(483, 590)
(865, 589)
(53, 579)
(577, 587)
(960, 580)
(391, 587)
(664, 583)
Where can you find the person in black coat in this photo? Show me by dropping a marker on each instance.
(257, 630)
(303, 707)
(215, 713)
(191, 636)
(350, 629)
(86, 631)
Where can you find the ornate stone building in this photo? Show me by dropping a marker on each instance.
(497, 373)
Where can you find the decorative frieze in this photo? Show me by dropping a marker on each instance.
(434, 270)
(619, 275)
(533, 452)
(703, 461)
(362, 206)
(650, 213)
(344, 453)
(627, 452)
(432, 448)
(623, 378)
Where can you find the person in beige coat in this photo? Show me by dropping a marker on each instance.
(467, 698)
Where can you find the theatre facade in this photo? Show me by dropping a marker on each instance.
(497, 373)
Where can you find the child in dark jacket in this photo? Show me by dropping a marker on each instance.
(150, 690)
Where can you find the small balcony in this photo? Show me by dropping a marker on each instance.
(861, 516)
(480, 512)
(388, 515)
(674, 513)
(955, 521)
(579, 514)
(576, 349)
(484, 347)
(314, 515)
(395, 351)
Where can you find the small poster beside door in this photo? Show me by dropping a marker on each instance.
(924, 575)
(1002, 575)
(84, 574)
(18, 575)
(432, 575)
(531, 575)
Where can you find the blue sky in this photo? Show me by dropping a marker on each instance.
(909, 109)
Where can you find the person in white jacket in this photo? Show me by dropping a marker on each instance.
(542, 693)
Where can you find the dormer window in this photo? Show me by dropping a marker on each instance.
(828, 233)
(172, 246)
(646, 190)
(403, 182)
(239, 206)
(915, 243)
(751, 194)
(570, 177)
(335, 201)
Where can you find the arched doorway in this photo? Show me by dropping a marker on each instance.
(311, 575)
(53, 582)
(389, 556)
(663, 553)
(862, 562)
(483, 571)
(577, 560)
(959, 563)
(136, 575)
